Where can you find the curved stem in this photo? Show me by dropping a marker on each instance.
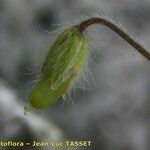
(82, 27)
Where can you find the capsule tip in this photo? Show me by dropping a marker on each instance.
(27, 109)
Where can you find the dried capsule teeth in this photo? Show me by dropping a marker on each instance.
(27, 109)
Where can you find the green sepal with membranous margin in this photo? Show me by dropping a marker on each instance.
(63, 65)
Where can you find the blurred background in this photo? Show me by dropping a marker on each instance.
(114, 113)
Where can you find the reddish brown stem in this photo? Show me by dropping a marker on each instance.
(82, 27)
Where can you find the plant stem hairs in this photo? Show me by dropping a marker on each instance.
(105, 22)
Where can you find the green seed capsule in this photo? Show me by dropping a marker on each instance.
(63, 65)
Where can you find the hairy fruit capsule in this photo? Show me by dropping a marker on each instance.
(61, 68)
(66, 59)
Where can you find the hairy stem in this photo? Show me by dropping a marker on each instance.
(82, 27)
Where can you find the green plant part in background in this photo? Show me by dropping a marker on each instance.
(66, 59)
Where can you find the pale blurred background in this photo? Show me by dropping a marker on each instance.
(115, 113)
